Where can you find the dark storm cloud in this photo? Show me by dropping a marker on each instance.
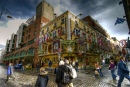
(20, 8)
(104, 11)
(92, 7)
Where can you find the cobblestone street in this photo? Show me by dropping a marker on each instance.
(28, 78)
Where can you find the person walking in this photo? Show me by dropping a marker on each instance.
(76, 66)
(12, 69)
(9, 72)
(50, 65)
(37, 66)
(98, 68)
(112, 69)
(70, 67)
(122, 71)
(62, 76)
(42, 79)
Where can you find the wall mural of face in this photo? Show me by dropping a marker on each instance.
(56, 46)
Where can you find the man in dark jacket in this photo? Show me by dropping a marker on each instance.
(59, 74)
(70, 68)
(122, 71)
(42, 79)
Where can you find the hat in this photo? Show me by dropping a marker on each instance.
(42, 71)
(61, 63)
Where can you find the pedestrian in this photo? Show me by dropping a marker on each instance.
(9, 72)
(56, 70)
(76, 66)
(70, 67)
(73, 64)
(50, 65)
(22, 67)
(42, 63)
(98, 68)
(12, 68)
(112, 69)
(62, 75)
(42, 79)
(123, 71)
(37, 66)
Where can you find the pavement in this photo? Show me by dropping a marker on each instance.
(27, 78)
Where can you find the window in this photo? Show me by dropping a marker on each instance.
(84, 28)
(28, 36)
(35, 26)
(55, 24)
(31, 50)
(42, 32)
(62, 21)
(35, 33)
(30, 30)
(27, 31)
(31, 41)
(47, 29)
(35, 40)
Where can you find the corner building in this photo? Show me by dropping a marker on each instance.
(45, 37)
(68, 37)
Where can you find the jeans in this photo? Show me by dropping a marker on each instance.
(121, 78)
(113, 74)
(9, 76)
(100, 72)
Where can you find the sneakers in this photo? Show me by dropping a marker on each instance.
(115, 85)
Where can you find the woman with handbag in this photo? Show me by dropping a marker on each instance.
(112, 69)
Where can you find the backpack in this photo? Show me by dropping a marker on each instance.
(73, 73)
(65, 78)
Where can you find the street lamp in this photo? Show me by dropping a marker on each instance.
(5, 11)
(78, 15)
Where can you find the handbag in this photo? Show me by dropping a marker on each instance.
(108, 68)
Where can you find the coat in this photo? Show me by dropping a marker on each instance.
(42, 81)
(122, 69)
(9, 71)
(59, 75)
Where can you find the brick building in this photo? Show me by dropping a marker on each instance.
(22, 45)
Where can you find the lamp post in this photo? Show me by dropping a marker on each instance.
(78, 15)
(5, 11)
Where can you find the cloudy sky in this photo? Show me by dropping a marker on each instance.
(104, 11)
